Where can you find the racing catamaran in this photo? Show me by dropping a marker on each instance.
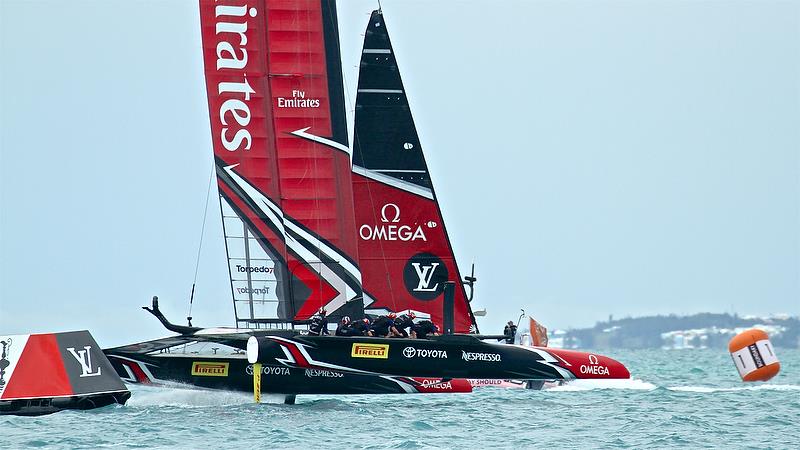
(310, 224)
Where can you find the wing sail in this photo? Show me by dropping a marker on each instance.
(274, 85)
(404, 251)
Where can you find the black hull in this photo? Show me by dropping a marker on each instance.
(449, 356)
(236, 374)
(42, 406)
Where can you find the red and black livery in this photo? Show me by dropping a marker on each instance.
(45, 373)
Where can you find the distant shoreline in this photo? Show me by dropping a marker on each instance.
(703, 330)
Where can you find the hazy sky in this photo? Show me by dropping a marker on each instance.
(593, 157)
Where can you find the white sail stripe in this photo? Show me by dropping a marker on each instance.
(302, 133)
(324, 271)
(331, 253)
(381, 91)
(377, 50)
(255, 195)
(398, 171)
(394, 182)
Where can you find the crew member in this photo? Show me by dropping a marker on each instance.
(510, 331)
(345, 328)
(423, 329)
(382, 326)
(406, 321)
(361, 327)
(319, 323)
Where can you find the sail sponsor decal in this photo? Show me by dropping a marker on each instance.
(298, 100)
(478, 356)
(254, 269)
(364, 350)
(424, 276)
(413, 352)
(231, 92)
(210, 369)
(269, 370)
(391, 228)
(594, 367)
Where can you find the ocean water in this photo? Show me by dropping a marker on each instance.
(678, 398)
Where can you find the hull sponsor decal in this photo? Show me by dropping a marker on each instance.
(268, 370)
(323, 373)
(210, 369)
(475, 356)
(594, 367)
(412, 352)
(376, 351)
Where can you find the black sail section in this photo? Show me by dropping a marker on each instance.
(382, 105)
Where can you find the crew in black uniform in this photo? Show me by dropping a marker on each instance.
(403, 322)
(382, 326)
(423, 329)
(319, 323)
(510, 331)
(345, 328)
(361, 327)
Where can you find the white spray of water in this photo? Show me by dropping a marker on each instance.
(760, 387)
(591, 384)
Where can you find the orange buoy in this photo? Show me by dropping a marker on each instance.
(754, 355)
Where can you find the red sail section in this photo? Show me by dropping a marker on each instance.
(276, 103)
(314, 170)
(404, 251)
(234, 50)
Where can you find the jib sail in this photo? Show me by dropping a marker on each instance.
(404, 252)
(276, 103)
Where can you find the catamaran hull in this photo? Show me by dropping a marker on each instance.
(236, 374)
(450, 356)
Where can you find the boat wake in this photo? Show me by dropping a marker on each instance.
(760, 387)
(588, 385)
(636, 384)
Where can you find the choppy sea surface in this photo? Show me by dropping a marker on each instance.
(677, 398)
